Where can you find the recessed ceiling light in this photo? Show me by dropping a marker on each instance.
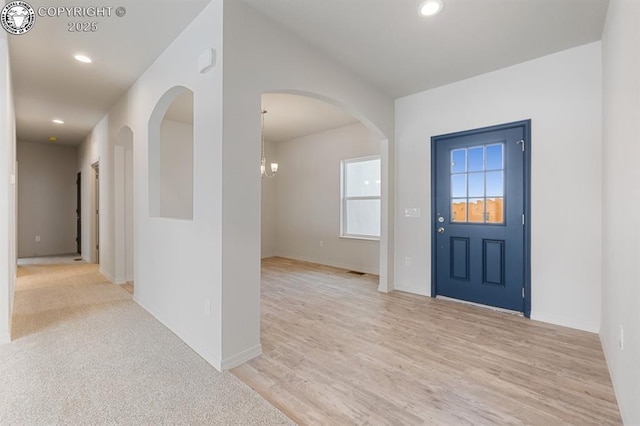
(53, 138)
(431, 7)
(83, 58)
(58, 121)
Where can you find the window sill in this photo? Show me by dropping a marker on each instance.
(355, 237)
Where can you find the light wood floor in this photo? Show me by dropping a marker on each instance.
(336, 351)
(128, 286)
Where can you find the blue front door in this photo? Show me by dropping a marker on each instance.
(480, 208)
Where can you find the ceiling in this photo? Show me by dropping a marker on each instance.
(386, 42)
(49, 83)
(292, 116)
(394, 48)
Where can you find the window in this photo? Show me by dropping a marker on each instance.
(360, 207)
(477, 184)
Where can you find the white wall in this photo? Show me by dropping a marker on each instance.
(269, 210)
(176, 169)
(621, 201)
(88, 155)
(177, 263)
(8, 203)
(46, 199)
(561, 94)
(183, 269)
(129, 224)
(261, 57)
(308, 199)
(123, 206)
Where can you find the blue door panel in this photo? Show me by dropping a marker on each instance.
(480, 200)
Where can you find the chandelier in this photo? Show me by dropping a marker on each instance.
(263, 162)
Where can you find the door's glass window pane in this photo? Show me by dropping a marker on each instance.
(476, 184)
(458, 161)
(495, 210)
(476, 159)
(494, 157)
(458, 186)
(495, 184)
(459, 210)
(476, 210)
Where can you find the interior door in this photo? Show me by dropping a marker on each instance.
(480, 202)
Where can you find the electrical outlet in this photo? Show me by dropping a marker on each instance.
(37, 238)
(321, 243)
(621, 341)
(407, 261)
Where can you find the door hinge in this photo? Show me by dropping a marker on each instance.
(521, 142)
(523, 292)
(522, 219)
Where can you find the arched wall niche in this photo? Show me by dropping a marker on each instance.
(171, 155)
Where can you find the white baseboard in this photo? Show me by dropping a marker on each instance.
(107, 275)
(564, 322)
(339, 265)
(186, 338)
(241, 358)
(412, 289)
(4, 339)
(113, 279)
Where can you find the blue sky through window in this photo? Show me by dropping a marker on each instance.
(477, 172)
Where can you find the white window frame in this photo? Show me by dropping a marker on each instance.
(344, 199)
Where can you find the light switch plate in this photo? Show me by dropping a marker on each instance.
(411, 212)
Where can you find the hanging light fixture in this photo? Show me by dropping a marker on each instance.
(263, 162)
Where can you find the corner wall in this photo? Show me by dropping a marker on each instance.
(561, 94)
(8, 197)
(621, 200)
(88, 155)
(262, 57)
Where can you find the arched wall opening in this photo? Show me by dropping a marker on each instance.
(123, 205)
(171, 155)
(321, 246)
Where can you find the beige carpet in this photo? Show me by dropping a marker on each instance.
(85, 353)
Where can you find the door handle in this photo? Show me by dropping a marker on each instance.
(441, 230)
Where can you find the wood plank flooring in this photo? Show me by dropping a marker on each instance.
(128, 286)
(337, 351)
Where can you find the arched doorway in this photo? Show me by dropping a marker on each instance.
(310, 110)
